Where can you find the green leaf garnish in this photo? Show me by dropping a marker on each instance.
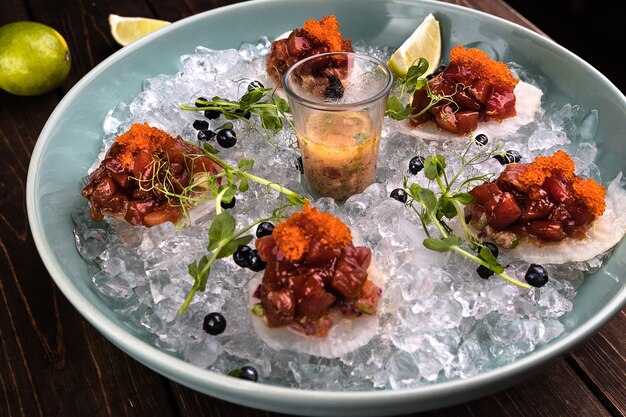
(447, 208)
(251, 97)
(224, 238)
(245, 164)
(464, 198)
(258, 310)
(360, 137)
(274, 112)
(282, 105)
(442, 245)
(398, 106)
(210, 149)
(227, 125)
(396, 110)
(413, 80)
(434, 165)
(231, 246)
(221, 229)
(486, 255)
(428, 199)
(270, 119)
(433, 206)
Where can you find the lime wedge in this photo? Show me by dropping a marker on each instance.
(425, 43)
(128, 29)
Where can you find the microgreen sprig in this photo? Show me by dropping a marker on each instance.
(240, 175)
(434, 207)
(273, 111)
(163, 182)
(224, 239)
(398, 105)
(221, 187)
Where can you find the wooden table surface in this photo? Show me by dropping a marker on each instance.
(53, 363)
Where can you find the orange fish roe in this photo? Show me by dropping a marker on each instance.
(326, 32)
(294, 235)
(140, 137)
(536, 172)
(589, 191)
(592, 193)
(484, 67)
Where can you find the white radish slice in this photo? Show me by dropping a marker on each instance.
(527, 102)
(284, 35)
(201, 210)
(604, 233)
(347, 334)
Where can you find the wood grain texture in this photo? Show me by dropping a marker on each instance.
(499, 9)
(541, 396)
(53, 363)
(601, 362)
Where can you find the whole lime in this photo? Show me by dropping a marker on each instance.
(34, 58)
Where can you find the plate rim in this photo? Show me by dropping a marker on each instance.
(257, 394)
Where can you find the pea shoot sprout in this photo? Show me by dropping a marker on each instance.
(434, 207)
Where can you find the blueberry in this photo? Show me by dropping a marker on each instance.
(334, 90)
(299, 165)
(264, 229)
(200, 124)
(513, 156)
(500, 158)
(212, 114)
(228, 205)
(214, 324)
(249, 373)
(416, 164)
(226, 138)
(492, 248)
(241, 113)
(254, 85)
(205, 135)
(508, 157)
(537, 276)
(242, 256)
(399, 194)
(199, 99)
(481, 139)
(484, 272)
(438, 71)
(256, 263)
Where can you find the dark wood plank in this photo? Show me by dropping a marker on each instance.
(594, 17)
(191, 403)
(176, 10)
(497, 8)
(602, 363)
(12, 11)
(52, 362)
(542, 396)
(84, 25)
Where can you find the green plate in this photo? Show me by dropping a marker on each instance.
(71, 139)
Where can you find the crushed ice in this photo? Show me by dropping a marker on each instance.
(439, 319)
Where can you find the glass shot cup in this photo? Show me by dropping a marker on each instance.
(338, 103)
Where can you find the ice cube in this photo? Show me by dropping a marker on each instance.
(203, 352)
(546, 139)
